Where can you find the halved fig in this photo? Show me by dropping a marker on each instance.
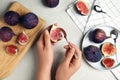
(108, 62)
(82, 7)
(55, 33)
(23, 38)
(11, 49)
(108, 49)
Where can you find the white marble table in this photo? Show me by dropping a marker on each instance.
(27, 68)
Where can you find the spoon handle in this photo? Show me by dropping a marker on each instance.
(75, 55)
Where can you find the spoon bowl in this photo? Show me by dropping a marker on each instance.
(114, 34)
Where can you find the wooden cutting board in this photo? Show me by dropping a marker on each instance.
(9, 62)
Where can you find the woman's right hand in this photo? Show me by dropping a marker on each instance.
(70, 64)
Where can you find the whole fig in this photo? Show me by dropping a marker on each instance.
(98, 35)
(92, 53)
(51, 3)
(29, 20)
(12, 18)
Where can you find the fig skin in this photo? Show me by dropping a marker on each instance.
(108, 62)
(6, 34)
(98, 36)
(51, 3)
(108, 49)
(92, 53)
(12, 18)
(29, 20)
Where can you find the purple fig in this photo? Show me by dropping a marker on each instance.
(52, 3)
(6, 34)
(12, 18)
(98, 36)
(29, 20)
(92, 53)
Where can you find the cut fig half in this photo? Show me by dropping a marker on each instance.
(56, 33)
(23, 38)
(108, 49)
(82, 7)
(108, 62)
(11, 49)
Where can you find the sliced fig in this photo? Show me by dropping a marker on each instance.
(55, 33)
(82, 7)
(108, 49)
(23, 38)
(6, 34)
(11, 49)
(108, 62)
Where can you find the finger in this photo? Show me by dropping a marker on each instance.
(47, 38)
(77, 50)
(66, 47)
(40, 42)
(69, 56)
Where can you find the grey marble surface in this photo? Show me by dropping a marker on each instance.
(27, 68)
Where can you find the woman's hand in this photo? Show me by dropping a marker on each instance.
(45, 52)
(70, 64)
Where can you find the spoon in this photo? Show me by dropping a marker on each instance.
(114, 35)
(65, 36)
(98, 9)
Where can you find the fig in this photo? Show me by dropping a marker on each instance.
(92, 53)
(11, 49)
(6, 34)
(98, 35)
(51, 3)
(55, 33)
(22, 38)
(108, 49)
(82, 7)
(29, 20)
(108, 62)
(12, 18)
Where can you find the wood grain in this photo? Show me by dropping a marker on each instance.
(9, 62)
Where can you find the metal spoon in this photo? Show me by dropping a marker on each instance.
(65, 36)
(114, 35)
(98, 9)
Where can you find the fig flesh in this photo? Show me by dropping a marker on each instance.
(55, 33)
(51, 3)
(12, 18)
(92, 53)
(23, 38)
(29, 20)
(98, 36)
(108, 62)
(82, 7)
(11, 49)
(6, 34)
(108, 49)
